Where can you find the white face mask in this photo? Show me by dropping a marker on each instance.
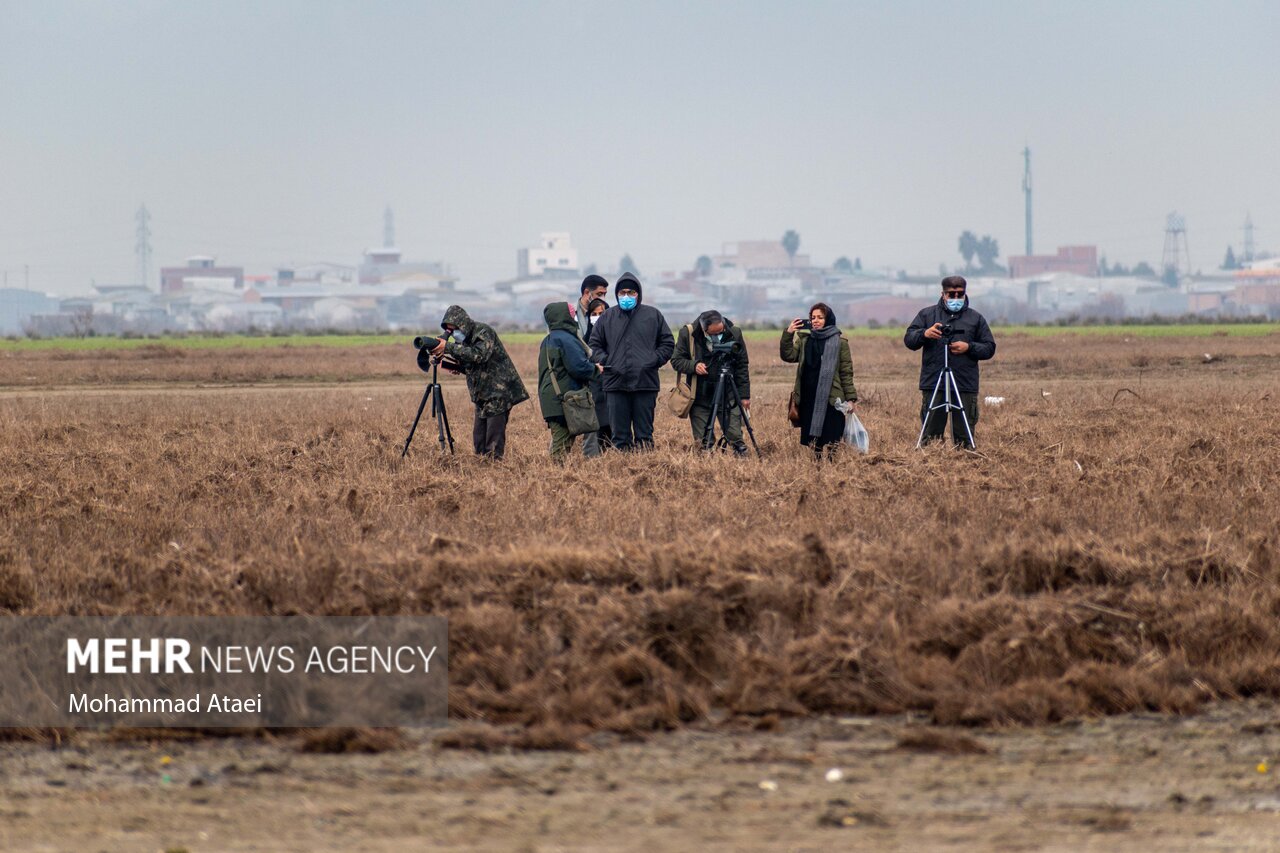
(594, 317)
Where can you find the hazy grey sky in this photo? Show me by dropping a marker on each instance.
(271, 133)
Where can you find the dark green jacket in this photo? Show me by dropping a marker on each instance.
(492, 379)
(564, 353)
(791, 348)
(704, 387)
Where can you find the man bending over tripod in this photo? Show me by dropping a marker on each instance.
(492, 379)
(954, 338)
(701, 349)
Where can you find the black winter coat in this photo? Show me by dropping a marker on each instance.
(968, 326)
(631, 345)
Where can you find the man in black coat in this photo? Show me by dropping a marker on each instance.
(969, 342)
(632, 341)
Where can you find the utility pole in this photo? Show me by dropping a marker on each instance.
(1248, 238)
(1026, 191)
(388, 228)
(142, 246)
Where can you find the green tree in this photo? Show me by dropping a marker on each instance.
(843, 265)
(1143, 268)
(627, 265)
(702, 266)
(857, 264)
(1230, 262)
(968, 245)
(987, 250)
(791, 242)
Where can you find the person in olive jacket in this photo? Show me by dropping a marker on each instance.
(694, 358)
(632, 340)
(492, 380)
(565, 355)
(824, 375)
(970, 342)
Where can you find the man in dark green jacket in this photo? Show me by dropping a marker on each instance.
(694, 358)
(492, 379)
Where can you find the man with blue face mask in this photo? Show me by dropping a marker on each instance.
(965, 333)
(632, 340)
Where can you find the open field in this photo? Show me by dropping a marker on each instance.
(1110, 549)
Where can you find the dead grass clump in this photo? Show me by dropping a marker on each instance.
(50, 736)
(347, 741)
(939, 741)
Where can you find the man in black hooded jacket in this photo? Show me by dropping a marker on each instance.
(632, 341)
(970, 342)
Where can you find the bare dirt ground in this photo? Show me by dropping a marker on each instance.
(1144, 782)
(1074, 631)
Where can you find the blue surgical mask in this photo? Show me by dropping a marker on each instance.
(955, 306)
(459, 335)
(626, 303)
(715, 339)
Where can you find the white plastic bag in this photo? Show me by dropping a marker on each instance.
(855, 433)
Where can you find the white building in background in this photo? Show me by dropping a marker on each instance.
(553, 257)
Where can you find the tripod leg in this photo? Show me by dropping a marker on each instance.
(928, 411)
(416, 418)
(443, 434)
(708, 434)
(742, 411)
(964, 416)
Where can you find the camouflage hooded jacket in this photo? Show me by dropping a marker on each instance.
(492, 379)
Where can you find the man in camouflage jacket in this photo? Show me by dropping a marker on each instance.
(492, 379)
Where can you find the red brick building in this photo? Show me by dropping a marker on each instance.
(1081, 260)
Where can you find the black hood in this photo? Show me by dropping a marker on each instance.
(627, 279)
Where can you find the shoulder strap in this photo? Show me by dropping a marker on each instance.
(688, 381)
(551, 369)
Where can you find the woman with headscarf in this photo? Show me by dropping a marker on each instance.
(824, 374)
(565, 357)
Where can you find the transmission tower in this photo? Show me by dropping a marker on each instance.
(1177, 256)
(1248, 238)
(142, 246)
(388, 228)
(1026, 191)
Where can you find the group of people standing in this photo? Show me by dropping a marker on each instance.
(616, 351)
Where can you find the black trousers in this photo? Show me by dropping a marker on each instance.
(631, 418)
(937, 423)
(489, 435)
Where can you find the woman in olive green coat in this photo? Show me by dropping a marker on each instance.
(824, 374)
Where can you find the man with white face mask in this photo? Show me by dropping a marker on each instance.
(951, 323)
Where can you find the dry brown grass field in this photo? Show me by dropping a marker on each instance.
(1109, 549)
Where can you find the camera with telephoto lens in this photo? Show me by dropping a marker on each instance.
(426, 342)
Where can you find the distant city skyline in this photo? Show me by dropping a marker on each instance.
(275, 134)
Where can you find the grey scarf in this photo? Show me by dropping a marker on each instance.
(826, 374)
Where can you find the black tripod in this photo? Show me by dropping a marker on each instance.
(436, 393)
(723, 400)
(951, 402)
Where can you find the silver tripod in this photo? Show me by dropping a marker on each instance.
(950, 402)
